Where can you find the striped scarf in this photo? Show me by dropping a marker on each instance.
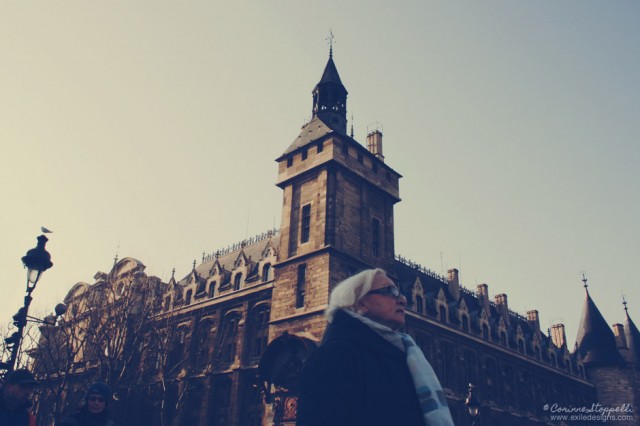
(433, 403)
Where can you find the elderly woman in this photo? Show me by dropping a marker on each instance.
(365, 372)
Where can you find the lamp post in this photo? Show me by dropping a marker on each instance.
(37, 260)
(473, 406)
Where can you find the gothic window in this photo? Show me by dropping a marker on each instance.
(176, 351)
(212, 289)
(375, 240)
(237, 280)
(301, 285)
(306, 223)
(447, 361)
(202, 286)
(465, 323)
(266, 269)
(490, 378)
(419, 304)
(485, 331)
(536, 352)
(260, 334)
(167, 303)
(202, 343)
(443, 313)
(503, 338)
(228, 337)
(187, 300)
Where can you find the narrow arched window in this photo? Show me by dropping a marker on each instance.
(237, 280)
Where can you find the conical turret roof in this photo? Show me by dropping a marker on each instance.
(596, 342)
(632, 335)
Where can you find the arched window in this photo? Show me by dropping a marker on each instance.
(503, 338)
(260, 330)
(419, 304)
(237, 280)
(201, 345)
(187, 300)
(485, 331)
(266, 270)
(521, 346)
(465, 323)
(202, 285)
(228, 338)
(212, 289)
(443, 313)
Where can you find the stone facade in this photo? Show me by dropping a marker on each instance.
(226, 343)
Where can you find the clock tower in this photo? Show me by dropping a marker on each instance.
(337, 211)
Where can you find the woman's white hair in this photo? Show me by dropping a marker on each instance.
(348, 293)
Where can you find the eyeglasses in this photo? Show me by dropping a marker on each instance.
(390, 290)
(96, 399)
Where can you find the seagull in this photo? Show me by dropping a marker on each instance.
(45, 230)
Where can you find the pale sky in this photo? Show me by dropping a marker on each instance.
(150, 129)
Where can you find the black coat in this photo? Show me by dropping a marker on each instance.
(84, 418)
(357, 378)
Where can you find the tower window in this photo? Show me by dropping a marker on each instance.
(304, 155)
(375, 239)
(360, 158)
(320, 146)
(306, 223)
(301, 285)
(289, 161)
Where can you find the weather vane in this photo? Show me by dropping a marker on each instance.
(330, 41)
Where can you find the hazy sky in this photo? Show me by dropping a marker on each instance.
(150, 129)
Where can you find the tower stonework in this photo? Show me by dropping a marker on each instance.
(337, 214)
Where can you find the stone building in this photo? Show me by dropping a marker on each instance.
(225, 344)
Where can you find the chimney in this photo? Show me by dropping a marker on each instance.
(374, 143)
(534, 320)
(558, 337)
(483, 295)
(454, 283)
(502, 306)
(621, 339)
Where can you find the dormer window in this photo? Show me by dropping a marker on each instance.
(237, 280)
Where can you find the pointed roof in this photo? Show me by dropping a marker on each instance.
(595, 340)
(633, 337)
(330, 74)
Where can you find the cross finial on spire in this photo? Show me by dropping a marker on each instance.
(173, 273)
(194, 264)
(624, 302)
(330, 40)
(584, 281)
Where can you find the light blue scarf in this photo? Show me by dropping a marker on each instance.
(433, 403)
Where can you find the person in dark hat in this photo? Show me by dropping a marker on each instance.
(95, 411)
(15, 399)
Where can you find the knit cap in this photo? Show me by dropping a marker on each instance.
(101, 389)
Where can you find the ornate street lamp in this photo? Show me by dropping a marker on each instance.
(37, 260)
(473, 406)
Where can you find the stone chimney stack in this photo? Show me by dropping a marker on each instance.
(374, 143)
(621, 339)
(534, 319)
(483, 295)
(502, 306)
(454, 282)
(558, 336)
